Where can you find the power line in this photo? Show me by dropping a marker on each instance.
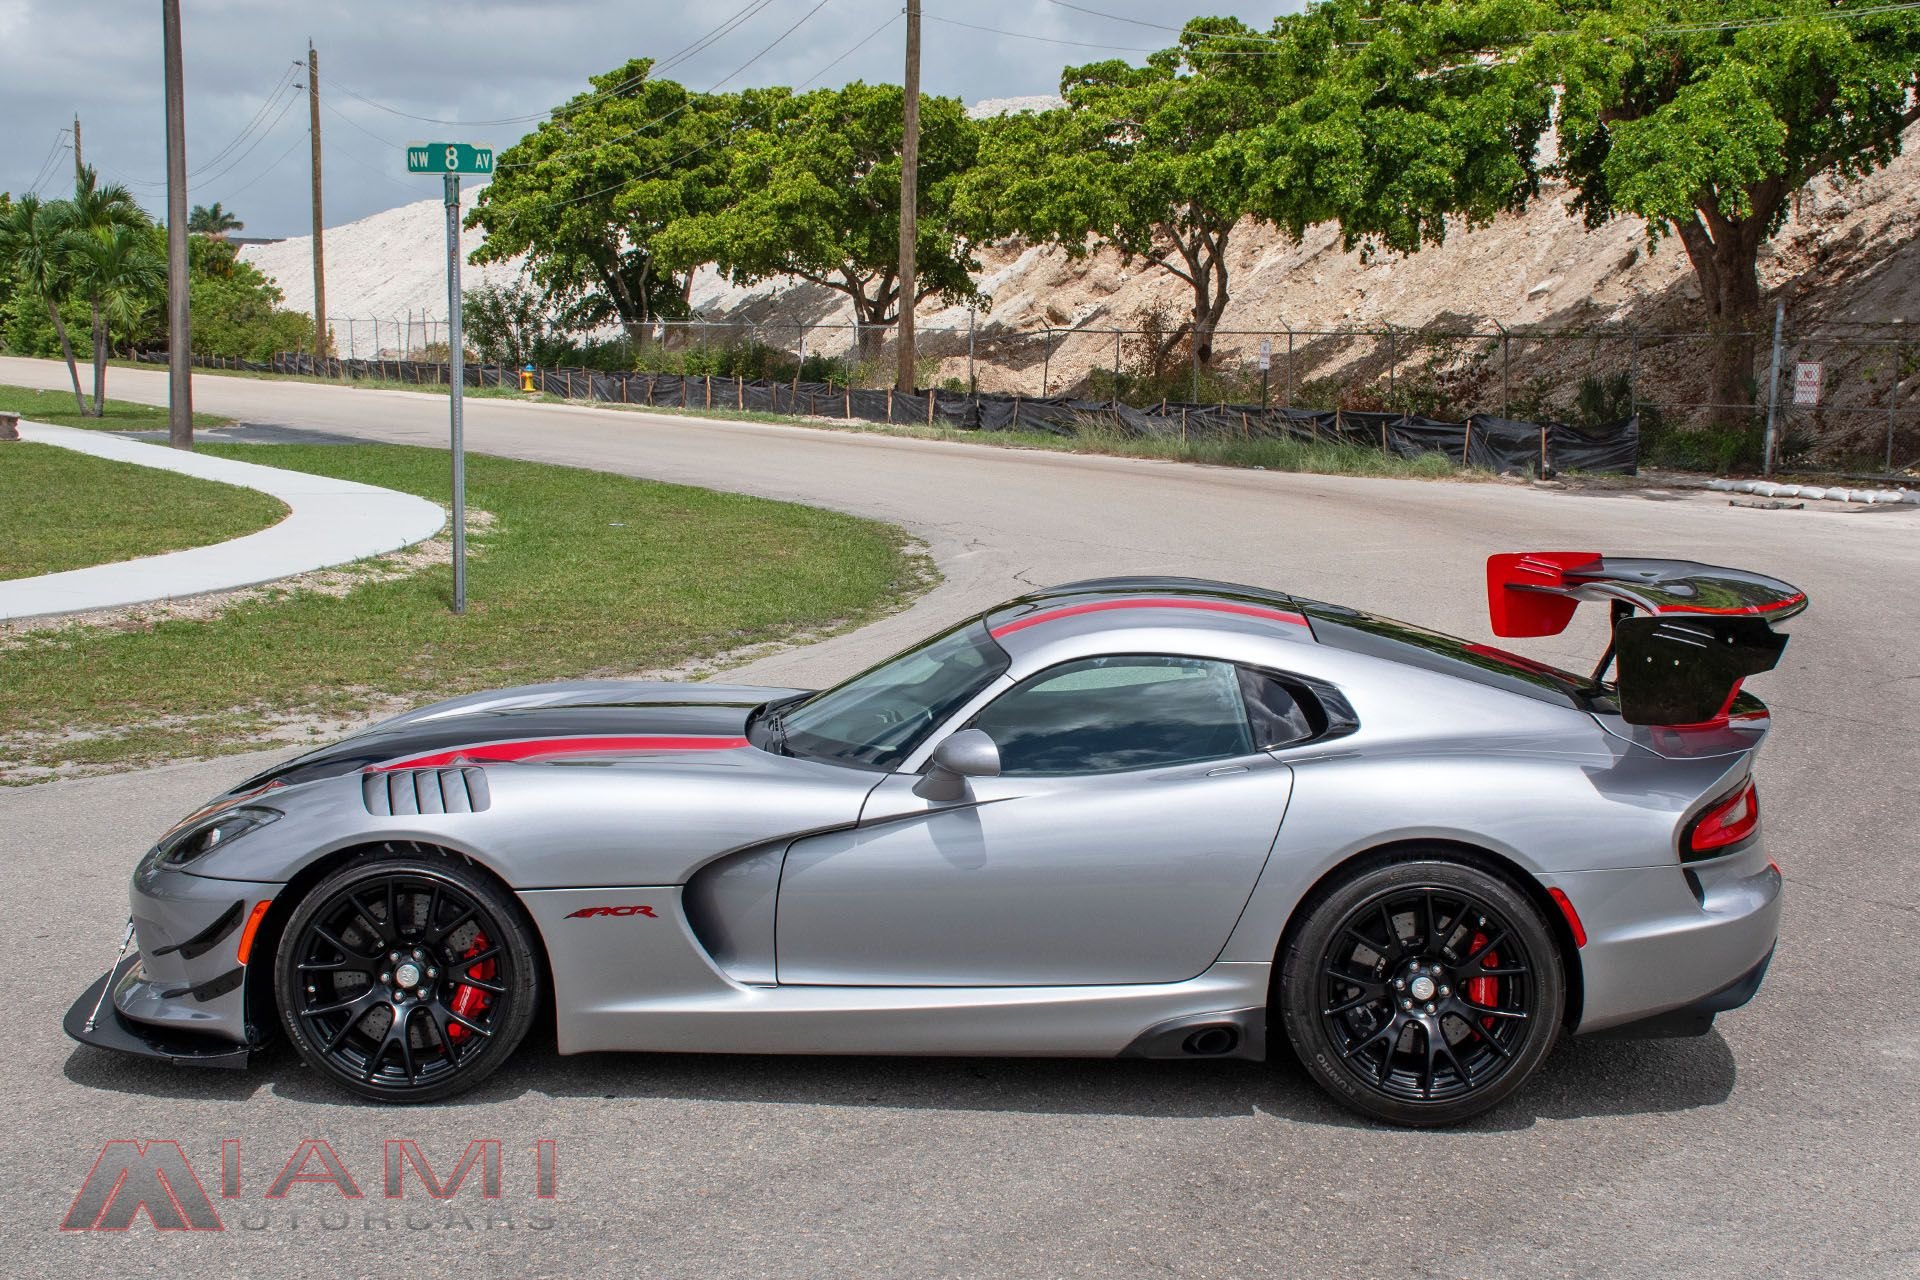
(852, 49)
(1022, 35)
(725, 28)
(266, 103)
(269, 169)
(46, 166)
(253, 146)
(645, 125)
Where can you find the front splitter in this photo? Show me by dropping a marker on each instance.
(94, 1020)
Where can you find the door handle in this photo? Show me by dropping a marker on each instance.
(1226, 769)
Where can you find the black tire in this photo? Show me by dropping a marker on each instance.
(1425, 924)
(414, 940)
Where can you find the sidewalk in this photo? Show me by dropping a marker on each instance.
(330, 522)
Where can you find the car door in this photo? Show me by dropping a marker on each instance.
(1119, 844)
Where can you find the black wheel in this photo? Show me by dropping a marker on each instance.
(406, 978)
(1422, 991)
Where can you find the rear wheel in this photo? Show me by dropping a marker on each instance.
(406, 978)
(1422, 991)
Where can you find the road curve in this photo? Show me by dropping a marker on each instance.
(1783, 1144)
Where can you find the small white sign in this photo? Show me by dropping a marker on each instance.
(1806, 382)
(1266, 354)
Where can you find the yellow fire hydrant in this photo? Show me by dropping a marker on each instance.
(526, 378)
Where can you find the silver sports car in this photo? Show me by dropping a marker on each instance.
(1153, 817)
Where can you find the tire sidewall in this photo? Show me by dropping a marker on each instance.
(1300, 994)
(523, 991)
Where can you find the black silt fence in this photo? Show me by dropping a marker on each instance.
(1484, 441)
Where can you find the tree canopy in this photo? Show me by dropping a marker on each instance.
(586, 195)
(1149, 161)
(811, 188)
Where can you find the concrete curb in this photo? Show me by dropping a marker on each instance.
(329, 522)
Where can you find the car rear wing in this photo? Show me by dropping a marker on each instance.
(1683, 635)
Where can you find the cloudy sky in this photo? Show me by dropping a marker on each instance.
(492, 65)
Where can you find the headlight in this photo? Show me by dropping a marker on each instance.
(193, 840)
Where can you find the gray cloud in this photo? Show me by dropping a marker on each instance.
(463, 61)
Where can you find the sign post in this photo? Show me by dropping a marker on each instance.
(1266, 363)
(450, 160)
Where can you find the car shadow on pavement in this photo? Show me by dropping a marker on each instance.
(1583, 1078)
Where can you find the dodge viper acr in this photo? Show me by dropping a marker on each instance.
(1152, 817)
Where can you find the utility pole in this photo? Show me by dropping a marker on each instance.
(179, 315)
(319, 254)
(79, 165)
(909, 195)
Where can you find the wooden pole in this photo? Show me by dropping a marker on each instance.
(909, 196)
(319, 253)
(179, 314)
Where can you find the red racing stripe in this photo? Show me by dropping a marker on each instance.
(1798, 597)
(1153, 602)
(551, 748)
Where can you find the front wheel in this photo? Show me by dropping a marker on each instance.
(1423, 991)
(406, 978)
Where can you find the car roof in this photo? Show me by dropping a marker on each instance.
(1211, 605)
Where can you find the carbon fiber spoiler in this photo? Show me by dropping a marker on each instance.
(1683, 635)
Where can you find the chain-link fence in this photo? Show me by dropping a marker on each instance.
(1861, 415)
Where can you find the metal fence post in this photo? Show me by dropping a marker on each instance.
(1506, 367)
(973, 385)
(1289, 329)
(1393, 359)
(1046, 363)
(1893, 403)
(1773, 388)
(1116, 368)
(1633, 377)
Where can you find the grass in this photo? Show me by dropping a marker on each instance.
(116, 415)
(1319, 458)
(580, 573)
(65, 510)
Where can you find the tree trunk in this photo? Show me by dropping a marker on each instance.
(66, 352)
(1725, 257)
(1209, 303)
(99, 363)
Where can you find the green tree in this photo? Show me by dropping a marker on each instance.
(811, 189)
(1706, 117)
(504, 323)
(212, 220)
(104, 265)
(585, 195)
(236, 309)
(124, 280)
(34, 243)
(1149, 161)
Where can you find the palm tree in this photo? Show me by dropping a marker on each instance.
(97, 210)
(34, 239)
(212, 220)
(123, 275)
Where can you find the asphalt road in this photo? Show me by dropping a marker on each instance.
(1785, 1143)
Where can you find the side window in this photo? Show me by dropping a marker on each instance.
(1098, 715)
(1281, 716)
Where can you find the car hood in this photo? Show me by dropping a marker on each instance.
(658, 713)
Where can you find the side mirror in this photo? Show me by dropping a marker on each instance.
(970, 753)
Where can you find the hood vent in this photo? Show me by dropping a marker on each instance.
(405, 792)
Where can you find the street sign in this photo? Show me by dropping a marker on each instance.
(448, 157)
(1266, 354)
(1806, 382)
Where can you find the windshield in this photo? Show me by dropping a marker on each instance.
(877, 718)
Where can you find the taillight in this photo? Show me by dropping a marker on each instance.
(1725, 823)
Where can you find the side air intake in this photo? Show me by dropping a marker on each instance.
(404, 792)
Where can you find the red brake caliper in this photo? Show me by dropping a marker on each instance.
(1484, 991)
(469, 1001)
